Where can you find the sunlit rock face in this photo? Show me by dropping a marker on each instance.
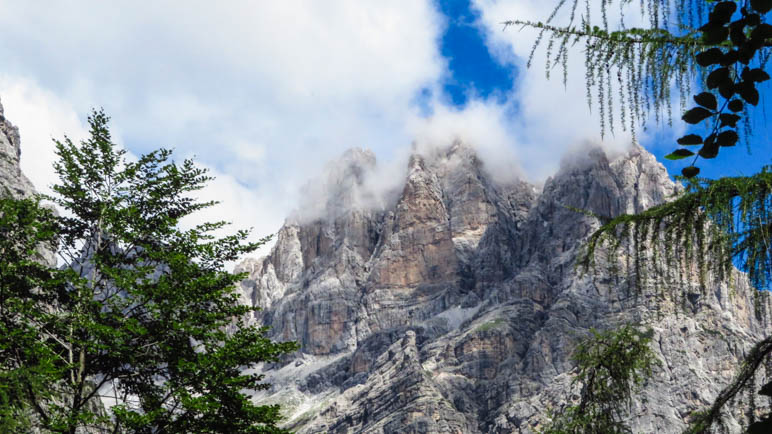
(452, 304)
(12, 182)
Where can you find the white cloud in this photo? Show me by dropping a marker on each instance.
(41, 116)
(261, 92)
(551, 118)
(265, 93)
(486, 125)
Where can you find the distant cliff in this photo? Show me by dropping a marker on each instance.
(12, 181)
(453, 304)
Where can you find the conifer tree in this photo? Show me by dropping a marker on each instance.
(140, 329)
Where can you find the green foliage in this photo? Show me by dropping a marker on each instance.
(611, 366)
(638, 66)
(641, 65)
(734, 67)
(725, 46)
(710, 225)
(27, 365)
(142, 315)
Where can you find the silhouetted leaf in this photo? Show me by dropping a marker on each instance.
(690, 139)
(730, 58)
(709, 150)
(707, 100)
(746, 53)
(727, 138)
(762, 32)
(679, 154)
(695, 115)
(713, 34)
(710, 57)
(690, 172)
(722, 12)
(710, 138)
(737, 34)
(727, 89)
(766, 389)
(749, 93)
(761, 427)
(762, 6)
(735, 105)
(728, 120)
(756, 75)
(718, 77)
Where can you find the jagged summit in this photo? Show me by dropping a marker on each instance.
(454, 305)
(12, 180)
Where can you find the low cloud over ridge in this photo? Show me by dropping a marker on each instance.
(263, 96)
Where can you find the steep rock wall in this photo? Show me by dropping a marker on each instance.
(455, 307)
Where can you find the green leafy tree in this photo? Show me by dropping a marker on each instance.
(724, 47)
(27, 288)
(141, 330)
(611, 367)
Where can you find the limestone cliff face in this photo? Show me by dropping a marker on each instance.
(455, 306)
(12, 181)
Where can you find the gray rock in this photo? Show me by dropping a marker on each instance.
(455, 307)
(12, 181)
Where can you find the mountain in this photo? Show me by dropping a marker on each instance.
(452, 303)
(12, 181)
(449, 301)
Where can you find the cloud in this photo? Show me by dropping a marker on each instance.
(41, 117)
(551, 118)
(264, 94)
(484, 124)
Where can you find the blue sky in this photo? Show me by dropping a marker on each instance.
(264, 95)
(475, 72)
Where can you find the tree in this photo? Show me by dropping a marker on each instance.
(724, 46)
(141, 330)
(611, 366)
(27, 287)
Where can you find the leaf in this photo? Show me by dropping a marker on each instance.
(713, 34)
(737, 34)
(728, 120)
(730, 58)
(761, 427)
(726, 90)
(709, 150)
(690, 171)
(718, 77)
(696, 114)
(710, 57)
(690, 139)
(761, 6)
(735, 105)
(679, 154)
(707, 100)
(756, 75)
(746, 53)
(749, 93)
(722, 12)
(727, 138)
(761, 32)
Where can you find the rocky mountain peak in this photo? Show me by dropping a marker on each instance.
(12, 180)
(454, 306)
